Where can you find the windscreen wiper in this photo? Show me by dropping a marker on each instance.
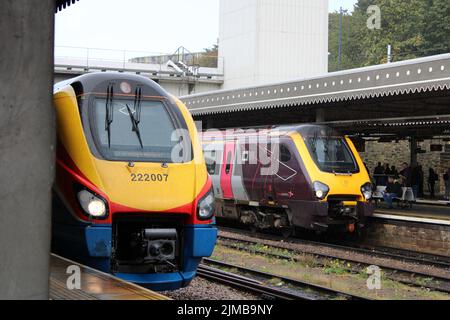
(137, 104)
(109, 117)
(135, 125)
(348, 173)
(314, 141)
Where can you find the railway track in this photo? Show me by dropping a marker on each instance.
(291, 290)
(405, 255)
(382, 252)
(439, 283)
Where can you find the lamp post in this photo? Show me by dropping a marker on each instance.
(341, 18)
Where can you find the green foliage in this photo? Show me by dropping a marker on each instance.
(209, 57)
(437, 27)
(336, 267)
(414, 28)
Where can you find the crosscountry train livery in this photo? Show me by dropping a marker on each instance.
(307, 176)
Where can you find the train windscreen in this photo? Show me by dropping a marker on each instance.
(123, 133)
(332, 154)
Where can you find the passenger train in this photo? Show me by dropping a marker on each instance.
(132, 195)
(306, 176)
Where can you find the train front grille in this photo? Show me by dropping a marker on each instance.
(342, 206)
(147, 244)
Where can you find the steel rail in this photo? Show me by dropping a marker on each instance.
(297, 292)
(441, 287)
(381, 252)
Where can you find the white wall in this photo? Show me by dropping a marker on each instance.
(264, 41)
(179, 89)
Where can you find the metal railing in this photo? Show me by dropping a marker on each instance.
(88, 58)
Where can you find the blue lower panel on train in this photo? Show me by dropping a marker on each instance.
(91, 245)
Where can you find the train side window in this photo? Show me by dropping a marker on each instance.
(210, 159)
(285, 154)
(228, 165)
(245, 156)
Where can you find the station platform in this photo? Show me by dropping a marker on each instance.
(420, 212)
(95, 285)
(434, 202)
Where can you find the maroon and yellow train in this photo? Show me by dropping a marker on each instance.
(306, 176)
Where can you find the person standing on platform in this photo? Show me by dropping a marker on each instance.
(432, 178)
(421, 178)
(377, 173)
(415, 180)
(405, 174)
(394, 172)
(386, 172)
(387, 169)
(447, 184)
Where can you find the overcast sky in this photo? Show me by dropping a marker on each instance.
(151, 26)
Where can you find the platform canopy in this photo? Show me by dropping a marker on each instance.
(62, 4)
(430, 74)
(403, 98)
(399, 128)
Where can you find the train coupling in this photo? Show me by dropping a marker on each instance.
(160, 244)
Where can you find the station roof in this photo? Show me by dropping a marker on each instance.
(424, 127)
(430, 74)
(62, 4)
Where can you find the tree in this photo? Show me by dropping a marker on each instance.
(402, 24)
(333, 47)
(437, 27)
(414, 28)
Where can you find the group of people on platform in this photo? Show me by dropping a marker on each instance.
(413, 177)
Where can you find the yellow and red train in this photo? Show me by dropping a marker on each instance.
(132, 195)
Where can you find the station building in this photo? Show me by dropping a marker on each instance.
(272, 40)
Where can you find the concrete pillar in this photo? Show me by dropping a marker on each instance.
(208, 124)
(27, 142)
(320, 115)
(413, 149)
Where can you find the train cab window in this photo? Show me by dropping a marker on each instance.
(285, 154)
(150, 139)
(332, 154)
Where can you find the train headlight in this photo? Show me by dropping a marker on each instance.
(92, 205)
(320, 190)
(366, 190)
(205, 207)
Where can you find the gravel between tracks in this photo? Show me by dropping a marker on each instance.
(201, 289)
(345, 254)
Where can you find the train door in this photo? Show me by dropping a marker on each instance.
(237, 179)
(213, 160)
(226, 172)
(284, 177)
(268, 176)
